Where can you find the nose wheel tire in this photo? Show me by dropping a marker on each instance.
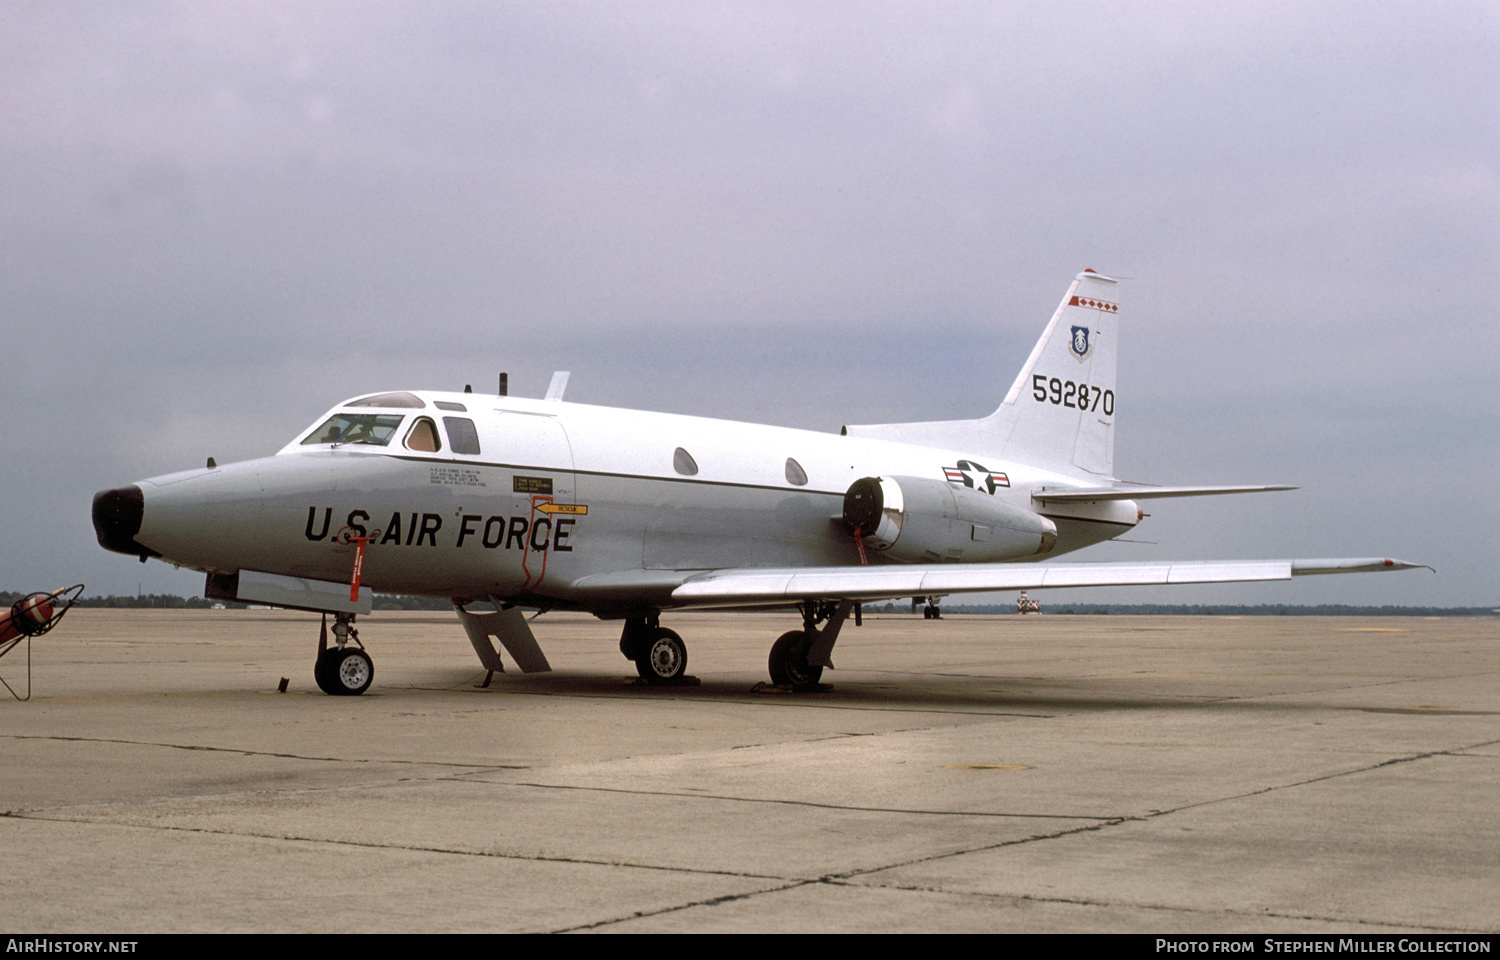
(788, 663)
(344, 673)
(663, 659)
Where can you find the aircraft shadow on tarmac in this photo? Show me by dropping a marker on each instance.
(993, 695)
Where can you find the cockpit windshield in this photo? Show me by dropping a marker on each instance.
(372, 428)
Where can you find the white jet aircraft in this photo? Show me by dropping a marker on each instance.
(548, 505)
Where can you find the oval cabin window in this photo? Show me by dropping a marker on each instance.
(795, 475)
(683, 463)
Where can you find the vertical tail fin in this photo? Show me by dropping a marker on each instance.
(1060, 412)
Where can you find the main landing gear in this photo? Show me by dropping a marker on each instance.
(788, 662)
(660, 655)
(342, 670)
(799, 656)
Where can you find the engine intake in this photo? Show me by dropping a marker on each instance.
(919, 520)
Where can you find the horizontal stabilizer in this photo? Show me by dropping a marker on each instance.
(751, 586)
(1141, 492)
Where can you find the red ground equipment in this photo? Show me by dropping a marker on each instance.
(32, 616)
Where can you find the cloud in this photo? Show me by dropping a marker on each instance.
(217, 221)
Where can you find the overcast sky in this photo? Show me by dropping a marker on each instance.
(217, 220)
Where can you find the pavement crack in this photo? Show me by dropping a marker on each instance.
(280, 755)
(675, 908)
(812, 804)
(997, 845)
(1389, 762)
(1106, 822)
(403, 847)
(1270, 697)
(1134, 905)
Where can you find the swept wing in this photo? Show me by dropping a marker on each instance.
(862, 584)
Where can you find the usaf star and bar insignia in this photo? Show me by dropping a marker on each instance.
(975, 476)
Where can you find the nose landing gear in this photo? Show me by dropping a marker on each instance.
(342, 670)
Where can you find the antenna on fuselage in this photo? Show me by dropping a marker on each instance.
(504, 384)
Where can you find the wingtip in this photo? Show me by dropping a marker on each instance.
(1408, 565)
(1354, 565)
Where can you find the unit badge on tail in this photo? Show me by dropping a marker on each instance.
(975, 476)
(1079, 346)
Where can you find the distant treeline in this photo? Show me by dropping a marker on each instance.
(163, 601)
(1229, 610)
(169, 601)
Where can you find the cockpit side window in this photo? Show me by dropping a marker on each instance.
(423, 437)
(462, 436)
(371, 428)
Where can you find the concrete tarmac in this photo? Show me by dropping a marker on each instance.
(1039, 773)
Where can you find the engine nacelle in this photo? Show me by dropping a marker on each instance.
(918, 520)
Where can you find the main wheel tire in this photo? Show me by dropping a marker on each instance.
(323, 671)
(662, 660)
(788, 662)
(633, 638)
(349, 672)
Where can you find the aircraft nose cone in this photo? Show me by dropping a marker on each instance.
(117, 519)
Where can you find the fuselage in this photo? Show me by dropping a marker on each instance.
(543, 502)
